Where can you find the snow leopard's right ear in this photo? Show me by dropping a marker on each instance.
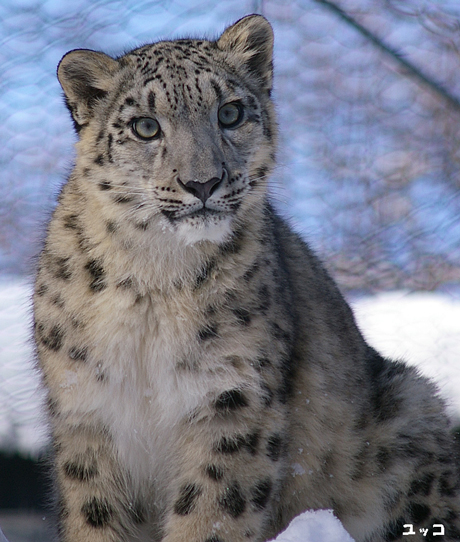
(86, 77)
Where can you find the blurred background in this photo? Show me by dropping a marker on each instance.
(368, 98)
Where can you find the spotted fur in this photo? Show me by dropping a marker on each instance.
(206, 380)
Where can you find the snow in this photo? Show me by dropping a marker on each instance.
(315, 526)
(422, 328)
(21, 419)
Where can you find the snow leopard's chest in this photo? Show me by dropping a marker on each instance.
(163, 369)
(147, 396)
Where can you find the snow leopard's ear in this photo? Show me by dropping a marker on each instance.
(86, 77)
(249, 43)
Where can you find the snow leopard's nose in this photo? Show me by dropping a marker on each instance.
(202, 191)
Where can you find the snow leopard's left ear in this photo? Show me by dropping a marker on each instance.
(249, 43)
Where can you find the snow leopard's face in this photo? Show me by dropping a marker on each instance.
(181, 133)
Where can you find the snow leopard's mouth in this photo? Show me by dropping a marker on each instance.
(203, 213)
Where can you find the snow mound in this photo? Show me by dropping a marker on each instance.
(315, 526)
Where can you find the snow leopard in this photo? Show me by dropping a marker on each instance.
(205, 378)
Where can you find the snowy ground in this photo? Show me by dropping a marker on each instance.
(424, 329)
(318, 526)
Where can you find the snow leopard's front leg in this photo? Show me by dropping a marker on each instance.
(230, 470)
(94, 503)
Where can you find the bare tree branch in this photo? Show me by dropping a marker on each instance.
(408, 67)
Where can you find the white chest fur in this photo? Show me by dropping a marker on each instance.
(146, 395)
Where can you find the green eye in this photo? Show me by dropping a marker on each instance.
(230, 115)
(146, 128)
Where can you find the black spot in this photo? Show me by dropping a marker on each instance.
(233, 501)
(422, 486)
(53, 406)
(408, 447)
(266, 125)
(205, 273)
(97, 512)
(99, 160)
(251, 272)
(105, 185)
(262, 362)
(126, 283)
(186, 501)
(383, 458)
(53, 340)
(230, 445)
(264, 299)
(260, 493)
(361, 462)
(279, 333)
(71, 222)
(243, 316)
(58, 301)
(136, 512)
(61, 268)
(97, 273)
(287, 379)
(419, 512)
(109, 147)
(394, 530)
(231, 400)
(111, 226)
(78, 354)
(210, 311)
(208, 332)
(274, 447)
(130, 101)
(267, 395)
(123, 198)
(213, 538)
(170, 215)
(151, 100)
(386, 404)
(217, 90)
(261, 172)
(447, 484)
(251, 442)
(214, 472)
(101, 375)
(41, 290)
(142, 226)
(80, 471)
(233, 245)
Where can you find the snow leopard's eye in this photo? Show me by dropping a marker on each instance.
(230, 115)
(146, 128)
